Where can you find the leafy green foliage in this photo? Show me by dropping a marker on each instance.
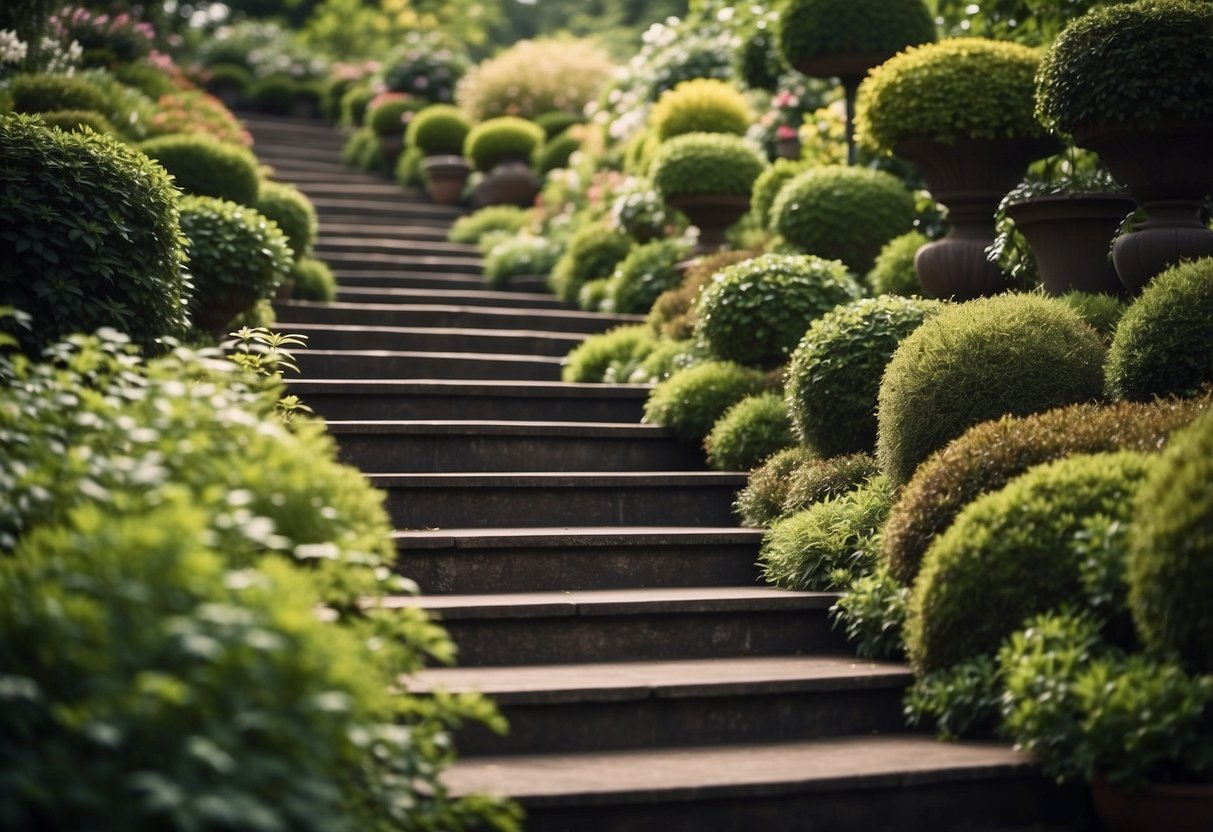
(274, 94)
(701, 105)
(73, 121)
(475, 225)
(502, 139)
(893, 272)
(690, 401)
(667, 358)
(427, 65)
(755, 312)
(89, 236)
(535, 77)
(207, 167)
(354, 102)
(1011, 354)
(705, 163)
(830, 543)
(361, 147)
(674, 313)
(1163, 345)
(439, 129)
(823, 479)
(760, 503)
(643, 215)
(1010, 555)
(45, 93)
(313, 280)
(593, 252)
(1170, 567)
(293, 211)
(390, 117)
(961, 700)
(963, 88)
(749, 432)
(590, 360)
(1102, 312)
(1089, 77)
(523, 254)
(767, 187)
(873, 612)
(991, 454)
(646, 272)
(843, 213)
(1025, 21)
(555, 153)
(811, 29)
(227, 79)
(834, 376)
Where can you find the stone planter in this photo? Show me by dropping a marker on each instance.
(1071, 238)
(712, 214)
(509, 183)
(445, 178)
(970, 177)
(1154, 807)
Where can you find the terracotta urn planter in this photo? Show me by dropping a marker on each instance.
(445, 177)
(509, 183)
(1153, 808)
(1168, 171)
(970, 177)
(1071, 239)
(712, 214)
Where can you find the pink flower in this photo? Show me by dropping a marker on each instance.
(785, 132)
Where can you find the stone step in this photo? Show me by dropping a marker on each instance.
(399, 364)
(276, 154)
(404, 279)
(416, 233)
(471, 446)
(439, 339)
(354, 259)
(389, 241)
(447, 297)
(899, 783)
(465, 561)
(371, 189)
(632, 625)
(452, 399)
(471, 317)
(618, 705)
(405, 211)
(285, 128)
(505, 499)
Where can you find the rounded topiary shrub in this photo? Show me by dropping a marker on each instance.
(293, 211)
(206, 167)
(768, 185)
(1006, 355)
(470, 229)
(593, 253)
(647, 271)
(1163, 344)
(690, 401)
(755, 312)
(993, 453)
(893, 273)
(74, 121)
(523, 254)
(354, 103)
(391, 115)
(822, 479)
(503, 139)
(590, 360)
(1010, 555)
(843, 213)
(749, 432)
(91, 236)
(702, 105)
(556, 122)
(834, 376)
(236, 257)
(313, 280)
(706, 163)
(760, 502)
(438, 130)
(673, 314)
(813, 29)
(555, 153)
(963, 88)
(45, 93)
(1171, 550)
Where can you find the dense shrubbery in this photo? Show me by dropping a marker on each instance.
(523, 254)
(438, 130)
(294, 213)
(471, 228)
(555, 153)
(502, 139)
(705, 163)
(535, 77)
(768, 185)
(593, 253)
(313, 280)
(673, 314)
(389, 113)
(48, 93)
(690, 401)
(703, 105)
(74, 121)
(1102, 312)
(821, 479)
(646, 272)
(749, 432)
(810, 29)
(207, 167)
(760, 503)
(893, 273)
(623, 346)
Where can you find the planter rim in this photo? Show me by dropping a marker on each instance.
(922, 141)
(445, 160)
(849, 66)
(1171, 126)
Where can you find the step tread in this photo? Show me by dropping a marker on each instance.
(557, 479)
(573, 536)
(390, 238)
(630, 681)
(467, 356)
(470, 427)
(751, 769)
(501, 387)
(305, 328)
(453, 296)
(573, 314)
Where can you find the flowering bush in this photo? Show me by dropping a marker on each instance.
(427, 66)
(535, 77)
(105, 39)
(197, 112)
(795, 99)
(264, 49)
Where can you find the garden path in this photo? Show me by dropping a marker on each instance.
(590, 568)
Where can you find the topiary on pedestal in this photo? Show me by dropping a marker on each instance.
(502, 139)
(438, 130)
(702, 105)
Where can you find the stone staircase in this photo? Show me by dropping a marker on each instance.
(590, 568)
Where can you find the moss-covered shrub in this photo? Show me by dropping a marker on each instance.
(523, 254)
(705, 163)
(690, 401)
(813, 29)
(963, 88)
(673, 314)
(1164, 345)
(1088, 77)
(1102, 312)
(438, 130)
(206, 167)
(760, 502)
(767, 187)
(391, 115)
(1171, 550)
(843, 213)
(646, 272)
(236, 256)
(74, 121)
(702, 105)
(91, 236)
(748, 433)
(893, 273)
(555, 122)
(475, 225)
(46, 93)
(593, 253)
(834, 376)
(503, 139)
(1010, 556)
(991, 454)
(313, 280)
(555, 153)
(293, 211)
(755, 312)
(623, 345)
(830, 543)
(1011, 354)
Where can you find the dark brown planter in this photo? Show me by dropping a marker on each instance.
(390, 148)
(214, 310)
(509, 183)
(970, 177)
(788, 148)
(1154, 808)
(1071, 238)
(1168, 171)
(445, 177)
(712, 214)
